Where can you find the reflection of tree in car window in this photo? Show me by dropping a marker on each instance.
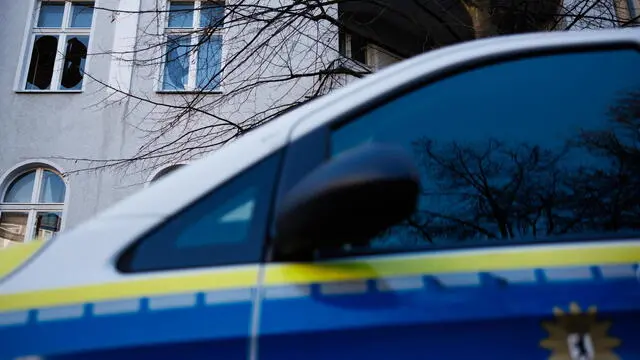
(540, 148)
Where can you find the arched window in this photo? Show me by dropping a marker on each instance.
(31, 206)
(166, 171)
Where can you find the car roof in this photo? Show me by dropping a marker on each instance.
(94, 244)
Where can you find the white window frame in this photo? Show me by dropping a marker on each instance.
(33, 207)
(62, 32)
(195, 29)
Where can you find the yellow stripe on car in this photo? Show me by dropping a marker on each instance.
(15, 255)
(455, 262)
(216, 279)
(465, 261)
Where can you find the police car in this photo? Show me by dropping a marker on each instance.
(476, 202)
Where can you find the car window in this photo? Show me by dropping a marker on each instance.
(226, 226)
(544, 148)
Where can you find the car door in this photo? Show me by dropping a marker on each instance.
(524, 242)
(183, 290)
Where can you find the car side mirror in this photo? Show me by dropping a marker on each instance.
(348, 200)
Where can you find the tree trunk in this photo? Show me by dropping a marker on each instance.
(501, 17)
(480, 13)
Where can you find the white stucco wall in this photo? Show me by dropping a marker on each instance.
(41, 126)
(100, 123)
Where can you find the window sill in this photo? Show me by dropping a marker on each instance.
(208, 92)
(49, 91)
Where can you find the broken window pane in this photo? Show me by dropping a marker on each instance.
(75, 57)
(209, 62)
(176, 70)
(51, 15)
(211, 15)
(180, 15)
(43, 56)
(81, 15)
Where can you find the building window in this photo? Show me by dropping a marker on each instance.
(193, 57)
(58, 44)
(31, 206)
(374, 57)
(355, 47)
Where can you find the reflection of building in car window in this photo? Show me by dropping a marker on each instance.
(241, 213)
(231, 218)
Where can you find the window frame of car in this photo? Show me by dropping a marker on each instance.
(316, 144)
(271, 162)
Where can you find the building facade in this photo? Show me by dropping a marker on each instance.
(88, 86)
